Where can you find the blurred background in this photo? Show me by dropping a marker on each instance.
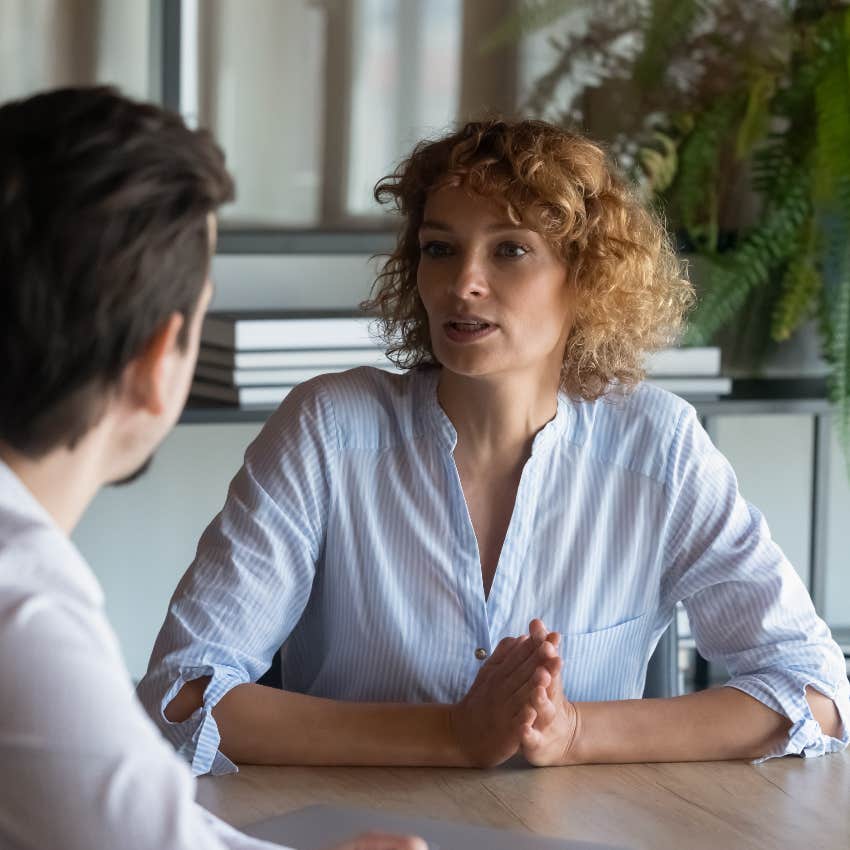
(732, 118)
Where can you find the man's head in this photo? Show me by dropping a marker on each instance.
(107, 222)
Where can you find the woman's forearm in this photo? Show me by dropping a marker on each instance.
(260, 725)
(720, 723)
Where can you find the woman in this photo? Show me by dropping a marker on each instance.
(408, 537)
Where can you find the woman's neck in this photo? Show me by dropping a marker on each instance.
(496, 418)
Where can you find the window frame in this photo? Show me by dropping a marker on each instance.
(168, 17)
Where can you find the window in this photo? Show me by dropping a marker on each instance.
(45, 43)
(314, 101)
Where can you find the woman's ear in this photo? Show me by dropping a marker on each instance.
(148, 378)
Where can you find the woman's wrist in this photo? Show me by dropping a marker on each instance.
(599, 730)
(421, 735)
(457, 750)
(574, 741)
(448, 748)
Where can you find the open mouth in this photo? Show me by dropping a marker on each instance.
(462, 331)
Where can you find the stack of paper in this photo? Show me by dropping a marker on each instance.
(252, 359)
(690, 372)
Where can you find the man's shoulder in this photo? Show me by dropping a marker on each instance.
(39, 563)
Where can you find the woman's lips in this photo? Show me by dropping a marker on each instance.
(470, 331)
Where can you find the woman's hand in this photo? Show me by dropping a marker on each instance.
(488, 721)
(551, 737)
(382, 841)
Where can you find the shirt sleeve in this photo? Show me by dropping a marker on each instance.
(747, 606)
(252, 574)
(81, 766)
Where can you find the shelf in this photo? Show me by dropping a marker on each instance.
(209, 413)
(748, 398)
(235, 240)
(768, 395)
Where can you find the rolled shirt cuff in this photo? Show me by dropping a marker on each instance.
(784, 691)
(197, 738)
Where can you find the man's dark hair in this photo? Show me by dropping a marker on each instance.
(104, 204)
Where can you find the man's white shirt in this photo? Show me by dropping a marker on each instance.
(81, 765)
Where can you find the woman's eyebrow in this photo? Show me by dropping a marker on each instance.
(433, 224)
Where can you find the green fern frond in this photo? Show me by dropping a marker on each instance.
(774, 169)
(530, 17)
(799, 289)
(658, 163)
(695, 191)
(757, 116)
(733, 275)
(832, 106)
(728, 296)
(832, 199)
(668, 24)
(838, 317)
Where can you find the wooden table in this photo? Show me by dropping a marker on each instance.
(802, 804)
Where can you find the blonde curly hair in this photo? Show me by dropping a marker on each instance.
(631, 290)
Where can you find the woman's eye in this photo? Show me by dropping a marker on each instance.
(436, 249)
(512, 250)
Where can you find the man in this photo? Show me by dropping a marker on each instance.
(107, 222)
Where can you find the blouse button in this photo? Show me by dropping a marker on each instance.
(480, 653)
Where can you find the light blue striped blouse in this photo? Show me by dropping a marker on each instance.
(346, 536)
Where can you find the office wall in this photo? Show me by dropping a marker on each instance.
(771, 456)
(838, 542)
(140, 538)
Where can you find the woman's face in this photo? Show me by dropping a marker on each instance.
(496, 293)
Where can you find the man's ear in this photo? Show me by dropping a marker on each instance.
(147, 377)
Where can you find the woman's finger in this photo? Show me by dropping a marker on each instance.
(537, 630)
(530, 738)
(541, 656)
(503, 648)
(543, 707)
(526, 716)
(518, 654)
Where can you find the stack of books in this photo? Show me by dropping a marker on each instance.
(690, 372)
(255, 359)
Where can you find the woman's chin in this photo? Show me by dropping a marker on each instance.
(470, 367)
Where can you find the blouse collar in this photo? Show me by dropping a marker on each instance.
(442, 426)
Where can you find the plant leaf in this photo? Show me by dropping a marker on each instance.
(733, 275)
(531, 16)
(799, 288)
(669, 23)
(756, 119)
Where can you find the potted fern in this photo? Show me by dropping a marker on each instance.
(734, 118)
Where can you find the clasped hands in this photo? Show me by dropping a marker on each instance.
(517, 704)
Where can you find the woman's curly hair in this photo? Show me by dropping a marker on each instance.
(631, 290)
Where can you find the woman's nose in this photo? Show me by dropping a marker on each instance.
(470, 279)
